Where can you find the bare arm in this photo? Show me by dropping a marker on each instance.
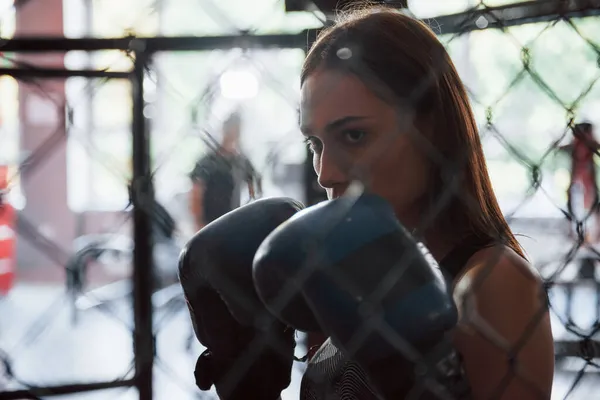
(504, 336)
(251, 190)
(253, 180)
(197, 203)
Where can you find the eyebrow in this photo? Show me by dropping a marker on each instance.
(338, 123)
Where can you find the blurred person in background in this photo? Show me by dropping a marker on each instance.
(582, 194)
(218, 177)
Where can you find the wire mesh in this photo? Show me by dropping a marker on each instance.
(531, 71)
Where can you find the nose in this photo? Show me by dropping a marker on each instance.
(331, 175)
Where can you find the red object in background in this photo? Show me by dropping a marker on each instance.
(583, 169)
(582, 201)
(3, 178)
(7, 236)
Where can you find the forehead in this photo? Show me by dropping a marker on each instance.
(328, 95)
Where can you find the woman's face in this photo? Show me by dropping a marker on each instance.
(355, 135)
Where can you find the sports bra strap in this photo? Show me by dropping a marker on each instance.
(453, 263)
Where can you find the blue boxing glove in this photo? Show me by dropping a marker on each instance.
(365, 279)
(249, 352)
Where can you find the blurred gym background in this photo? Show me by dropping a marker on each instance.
(93, 93)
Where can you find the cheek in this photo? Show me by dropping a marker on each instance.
(401, 175)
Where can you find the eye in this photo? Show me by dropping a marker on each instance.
(353, 136)
(314, 144)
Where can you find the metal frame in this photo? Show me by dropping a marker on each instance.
(516, 14)
(496, 17)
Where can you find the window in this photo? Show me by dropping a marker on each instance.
(117, 18)
(188, 94)
(99, 145)
(210, 18)
(199, 90)
(434, 8)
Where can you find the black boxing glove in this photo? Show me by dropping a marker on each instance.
(368, 283)
(249, 353)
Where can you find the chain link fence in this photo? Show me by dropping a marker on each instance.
(100, 135)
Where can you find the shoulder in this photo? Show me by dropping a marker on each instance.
(244, 165)
(499, 263)
(243, 161)
(207, 162)
(208, 159)
(203, 168)
(503, 307)
(501, 286)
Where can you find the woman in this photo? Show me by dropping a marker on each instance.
(383, 104)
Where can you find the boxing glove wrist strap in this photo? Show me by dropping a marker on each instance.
(259, 381)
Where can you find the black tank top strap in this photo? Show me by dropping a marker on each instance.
(454, 262)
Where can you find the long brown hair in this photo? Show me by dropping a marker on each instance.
(402, 60)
